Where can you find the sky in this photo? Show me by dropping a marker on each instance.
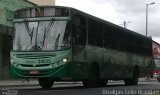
(133, 12)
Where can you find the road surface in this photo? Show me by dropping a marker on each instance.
(76, 88)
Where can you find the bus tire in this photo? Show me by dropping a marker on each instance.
(93, 78)
(46, 83)
(134, 79)
(102, 83)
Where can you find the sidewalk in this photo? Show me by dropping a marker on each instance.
(19, 82)
(143, 80)
(34, 82)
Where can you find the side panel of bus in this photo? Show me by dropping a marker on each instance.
(116, 51)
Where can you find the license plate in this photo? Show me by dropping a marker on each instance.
(34, 72)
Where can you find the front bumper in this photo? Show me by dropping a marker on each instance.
(59, 72)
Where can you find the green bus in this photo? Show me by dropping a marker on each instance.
(54, 43)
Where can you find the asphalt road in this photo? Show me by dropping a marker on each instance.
(112, 88)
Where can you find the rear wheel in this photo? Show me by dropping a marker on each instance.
(46, 83)
(93, 78)
(134, 79)
(102, 83)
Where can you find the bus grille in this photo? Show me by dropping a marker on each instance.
(40, 65)
(34, 56)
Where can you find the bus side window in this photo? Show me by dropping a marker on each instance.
(109, 37)
(79, 30)
(95, 33)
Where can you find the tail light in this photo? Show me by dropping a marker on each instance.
(156, 72)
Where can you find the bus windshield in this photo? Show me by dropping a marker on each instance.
(41, 36)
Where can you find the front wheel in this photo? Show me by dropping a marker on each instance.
(46, 83)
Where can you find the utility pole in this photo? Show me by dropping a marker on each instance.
(147, 16)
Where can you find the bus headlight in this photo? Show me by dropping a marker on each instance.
(65, 60)
(12, 61)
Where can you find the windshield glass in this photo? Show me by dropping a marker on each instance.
(41, 36)
(157, 62)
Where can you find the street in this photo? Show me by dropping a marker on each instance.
(76, 88)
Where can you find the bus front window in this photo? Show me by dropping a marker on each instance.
(41, 36)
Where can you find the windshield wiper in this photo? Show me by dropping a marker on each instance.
(46, 31)
(36, 46)
(30, 33)
(28, 29)
(44, 36)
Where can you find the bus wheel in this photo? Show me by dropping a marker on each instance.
(102, 83)
(93, 78)
(46, 83)
(134, 79)
(158, 79)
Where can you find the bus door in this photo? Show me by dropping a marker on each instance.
(78, 67)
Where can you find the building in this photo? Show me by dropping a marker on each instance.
(43, 2)
(7, 7)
